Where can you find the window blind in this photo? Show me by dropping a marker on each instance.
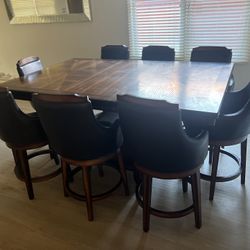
(185, 24)
(154, 22)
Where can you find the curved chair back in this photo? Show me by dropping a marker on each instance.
(22, 132)
(29, 65)
(211, 54)
(158, 53)
(233, 101)
(17, 128)
(154, 134)
(234, 127)
(115, 52)
(71, 127)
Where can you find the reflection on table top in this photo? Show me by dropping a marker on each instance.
(195, 86)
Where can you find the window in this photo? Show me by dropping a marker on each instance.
(185, 24)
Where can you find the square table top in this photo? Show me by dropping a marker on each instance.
(195, 86)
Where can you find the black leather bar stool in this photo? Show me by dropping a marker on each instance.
(232, 127)
(160, 148)
(80, 140)
(22, 132)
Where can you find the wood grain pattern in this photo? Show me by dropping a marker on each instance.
(197, 87)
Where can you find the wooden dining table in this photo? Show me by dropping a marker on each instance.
(197, 87)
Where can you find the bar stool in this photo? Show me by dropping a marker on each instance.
(232, 127)
(22, 132)
(161, 149)
(80, 140)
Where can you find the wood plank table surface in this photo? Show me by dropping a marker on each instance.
(198, 87)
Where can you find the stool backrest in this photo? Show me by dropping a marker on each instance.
(211, 54)
(154, 134)
(115, 52)
(158, 53)
(72, 128)
(29, 65)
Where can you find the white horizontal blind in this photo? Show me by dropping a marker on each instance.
(154, 22)
(218, 23)
(185, 24)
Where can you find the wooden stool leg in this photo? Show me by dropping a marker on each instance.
(70, 175)
(195, 183)
(216, 153)
(18, 168)
(185, 184)
(210, 154)
(53, 155)
(147, 191)
(87, 190)
(123, 173)
(23, 160)
(64, 176)
(243, 160)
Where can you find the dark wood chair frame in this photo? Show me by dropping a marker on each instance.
(144, 191)
(86, 166)
(215, 148)
(22, 168)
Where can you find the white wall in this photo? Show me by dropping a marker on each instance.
(57, 42)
